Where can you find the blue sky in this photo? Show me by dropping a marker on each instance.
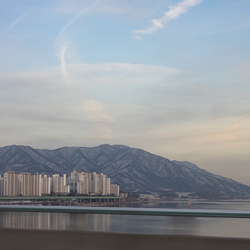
(168, 76)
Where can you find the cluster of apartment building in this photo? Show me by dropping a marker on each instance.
(78, 183)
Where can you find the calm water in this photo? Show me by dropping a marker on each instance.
(228, 227)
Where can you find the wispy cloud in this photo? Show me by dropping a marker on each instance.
(62, 44)
(100, 122)
(17, 20)
(63, 63)
(173, 13)
(95, 112)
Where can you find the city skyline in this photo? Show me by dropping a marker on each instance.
(170, 77)
(78, 183)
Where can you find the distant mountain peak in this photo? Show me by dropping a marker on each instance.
(132, 169)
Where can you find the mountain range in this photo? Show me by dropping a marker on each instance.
(134, 170)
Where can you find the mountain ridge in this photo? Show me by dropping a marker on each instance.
(133, 169)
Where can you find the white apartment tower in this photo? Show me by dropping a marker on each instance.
(1, 185)
(10, 184)
(108, 187)
(114, 189)
(89, 183)
(59, 186)
(46, 185)
(83, 184)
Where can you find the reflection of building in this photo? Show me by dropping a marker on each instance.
(35, 220)
(100, 222)
(55, 221)
(26, 184)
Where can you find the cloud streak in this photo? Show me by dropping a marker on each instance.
(173, 13)
(64, 47)
(17, 20)
(76, 17)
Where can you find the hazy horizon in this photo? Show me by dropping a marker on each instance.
(169, 77)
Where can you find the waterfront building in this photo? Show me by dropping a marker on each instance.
(10, 184)
(59, 186)
(92, 183)
(114, 189)
(80, 183)
(89, 183)
(46, 185)
(1, 185)
(108, 186)
(37, 190)
(74, 178)
(83, 184)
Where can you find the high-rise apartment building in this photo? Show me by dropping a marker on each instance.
(46, 185)
(59, 186)
(1, 185)
(83, 183)
(89, 183)
(10, 184)
(114, 189)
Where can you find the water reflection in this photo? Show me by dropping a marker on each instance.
(225, 227)
(55, 221)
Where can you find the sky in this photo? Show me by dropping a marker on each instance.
(171, 77)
